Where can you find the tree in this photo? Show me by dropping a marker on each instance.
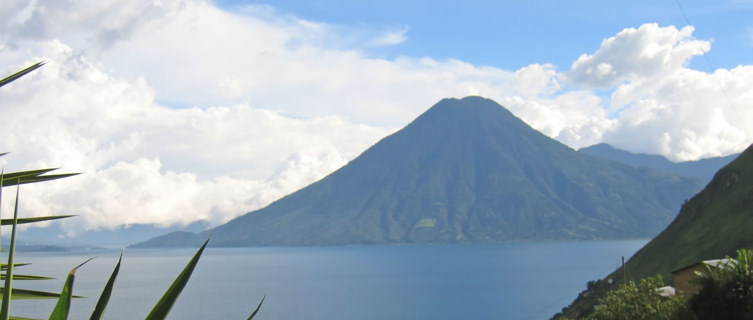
(640, 302)
(727, 289)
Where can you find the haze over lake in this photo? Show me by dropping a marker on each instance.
(481, 281)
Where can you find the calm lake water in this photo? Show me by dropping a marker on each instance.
(480, 281)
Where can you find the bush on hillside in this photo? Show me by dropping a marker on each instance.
(640, 302)
(727, 289)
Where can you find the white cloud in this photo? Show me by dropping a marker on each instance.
(177, 110)
(145, 163)
(640, 53)
(100, 23)
(574, 118)
(536, 79)
(390, 38)
(686, 114)
(223, 58)
(659, 104)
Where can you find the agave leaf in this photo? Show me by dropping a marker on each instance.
(21, 73)
(162, 308)
(4, 266)
(24, 294)
(10, 263)
(8, 288)
(2, 174)
(253, 314)
(28, 173)
(26, 277)
(21, 318)
(2, 154)
(7, 222)
(34, 179)
(64, 301)
(99, 310)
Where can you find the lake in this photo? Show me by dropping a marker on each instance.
(531, 280)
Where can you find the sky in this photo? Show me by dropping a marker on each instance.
(182, 110)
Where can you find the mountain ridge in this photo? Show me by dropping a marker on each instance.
(703, 168)
(466, 170)
(712, 224)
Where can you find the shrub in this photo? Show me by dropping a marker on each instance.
(640, 302)
(727, 289)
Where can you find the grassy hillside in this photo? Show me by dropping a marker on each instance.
(714, 223)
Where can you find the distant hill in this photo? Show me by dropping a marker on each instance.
(464, 171)
(119, 237)
(703, 169)
(714, 223)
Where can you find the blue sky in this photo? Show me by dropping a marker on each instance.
(186, 110)
(513, 34)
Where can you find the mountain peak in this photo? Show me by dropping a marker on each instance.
(466, 170)
(471, 107)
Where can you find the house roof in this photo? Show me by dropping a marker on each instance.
(712, 263)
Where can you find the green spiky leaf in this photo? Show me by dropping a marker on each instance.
(4, 266)
(20, 74)
(64, 301)
(25, 277)
(99, 309)
(8, 222)
(8, 288)
(23, 174)
(31, 176)
(21, 318)
(34, 179)
(25, 294)
(162, 308)
(253, 314)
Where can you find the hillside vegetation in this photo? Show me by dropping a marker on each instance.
(713, 224)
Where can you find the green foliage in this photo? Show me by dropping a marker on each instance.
(714, 223)
(727, 289)
(164, 305)
(17, 179)
(104, 298)
(63, 306)
(8, 288)
(253, 314)
(9, 222)
(640, 302)
(20, 74)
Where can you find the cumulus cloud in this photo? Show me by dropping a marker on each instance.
(102, 23)
(536, 80)
(575, 118)
(659, 104)
(178, 111)
(146, 163)
(640, 53)
(687, 114)
(264, 109)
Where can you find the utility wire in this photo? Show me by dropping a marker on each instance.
(742, 123)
